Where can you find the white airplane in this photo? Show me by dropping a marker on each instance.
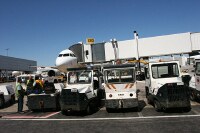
(66, 59)
(48, 71)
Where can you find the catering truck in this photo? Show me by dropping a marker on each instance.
(194, 83)
(164, 86)
(120, 86)
(83, 92)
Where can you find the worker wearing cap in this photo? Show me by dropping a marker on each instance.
(20, 95)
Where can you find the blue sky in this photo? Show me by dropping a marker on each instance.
(39, 29)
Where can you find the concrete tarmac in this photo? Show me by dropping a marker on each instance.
(122, 121)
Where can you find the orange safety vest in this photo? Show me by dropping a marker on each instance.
(39, 82)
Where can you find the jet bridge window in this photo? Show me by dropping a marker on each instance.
(197, 68)
(165, 70)
(119, 75)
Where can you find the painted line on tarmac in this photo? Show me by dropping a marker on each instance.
(25, 116)
(52, 114)
(100, 119)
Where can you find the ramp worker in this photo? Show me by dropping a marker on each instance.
(20, 92)
(38, 86)
(29, 85)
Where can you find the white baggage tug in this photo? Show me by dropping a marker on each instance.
(164, 86)
(120, 86)
(83, 90)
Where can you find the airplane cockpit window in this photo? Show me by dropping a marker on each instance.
(72, 55)
(60, 55)
(65, 54)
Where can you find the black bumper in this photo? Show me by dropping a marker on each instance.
(121, 103)
(43, 101)
(73, 101)
(173, 96)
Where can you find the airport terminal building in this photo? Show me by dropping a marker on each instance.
(15, 64)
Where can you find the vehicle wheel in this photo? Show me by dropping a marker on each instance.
(63, 112)
(187, 109)
(148, 101)
(192, 96)
(12, 100)
(157, 106)
(109, 110)
(147, 92)
(88, 110)
(1, 102)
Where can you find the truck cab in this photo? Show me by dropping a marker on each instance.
(83, 90)
(164, 86)
(120, 86)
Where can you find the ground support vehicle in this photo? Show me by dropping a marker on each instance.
(164, 86)
(7, 95)
(83, 91)
(48, 99)
(194, 83)
(120, 86)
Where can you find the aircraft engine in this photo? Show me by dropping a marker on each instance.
(51, 73)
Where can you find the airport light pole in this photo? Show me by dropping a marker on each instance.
(115, 47)
(7, 51)
(136, 40)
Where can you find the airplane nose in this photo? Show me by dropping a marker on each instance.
(59, 61)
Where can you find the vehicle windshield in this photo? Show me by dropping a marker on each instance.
(197, 71)
(119, 75)
(79, 77)
(165, 70)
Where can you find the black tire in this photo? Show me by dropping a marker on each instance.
(157, 106)
(12, 100)
(1, 102)
(88, 110)
(63, 112)
(187, 109)
(147, 92)
(109, 110)
(149, 101)
(192, 96)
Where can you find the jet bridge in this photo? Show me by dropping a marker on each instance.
(182, 43)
